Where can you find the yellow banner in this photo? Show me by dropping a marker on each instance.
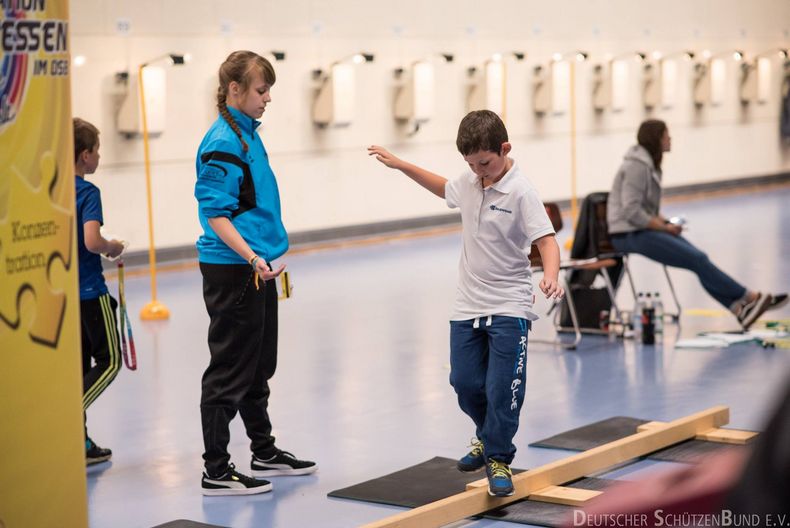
(42, 452)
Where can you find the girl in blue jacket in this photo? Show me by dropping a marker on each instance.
(239, 210)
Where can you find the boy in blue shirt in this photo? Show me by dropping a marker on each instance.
(502, 217)
(101, 357)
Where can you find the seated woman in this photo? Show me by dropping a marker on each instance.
(637, 226)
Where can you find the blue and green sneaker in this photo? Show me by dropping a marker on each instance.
(500, 479)
(474, 459)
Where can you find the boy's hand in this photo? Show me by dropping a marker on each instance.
(551, 289)
(115, 249)
(385, 157)
(432, 182)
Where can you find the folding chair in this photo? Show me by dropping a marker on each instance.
(567, 266)
(605, 249)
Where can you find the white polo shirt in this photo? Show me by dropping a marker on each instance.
(500, 223)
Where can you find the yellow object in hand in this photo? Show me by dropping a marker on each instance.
(285, 285)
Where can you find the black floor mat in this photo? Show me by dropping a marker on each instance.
(544, 513)
(592, 435)
(611, 429)
(438, 478)
(183, 523)
(414, 486)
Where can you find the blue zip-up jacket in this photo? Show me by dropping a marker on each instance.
(240, 186)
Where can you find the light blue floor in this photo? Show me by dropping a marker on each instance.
(362, 387)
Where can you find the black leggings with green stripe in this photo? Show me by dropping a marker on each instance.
(101, 350)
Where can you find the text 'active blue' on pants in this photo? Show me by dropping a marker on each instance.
(488, 370)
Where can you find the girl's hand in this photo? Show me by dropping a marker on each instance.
(262, 268)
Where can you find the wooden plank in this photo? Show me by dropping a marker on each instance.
(727, 436)
(649, 425)
(724, 436)
(482, 483)
(476, 499)
(564, 495)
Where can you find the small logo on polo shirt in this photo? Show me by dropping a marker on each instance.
(495, 208)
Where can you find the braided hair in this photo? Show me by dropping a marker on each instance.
(237, 67)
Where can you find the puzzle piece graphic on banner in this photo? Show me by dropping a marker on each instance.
(35, 233)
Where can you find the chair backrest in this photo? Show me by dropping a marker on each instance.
(603, 240)
(553, 210)
(591, 238)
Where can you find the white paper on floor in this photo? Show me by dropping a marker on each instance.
(722, 339)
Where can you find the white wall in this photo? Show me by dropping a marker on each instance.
(327, 180)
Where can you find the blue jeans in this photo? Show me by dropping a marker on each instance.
(678, 252)
(488, 370)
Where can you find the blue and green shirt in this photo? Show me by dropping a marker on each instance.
(88, 198)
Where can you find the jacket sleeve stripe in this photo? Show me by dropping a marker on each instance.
(247, 199)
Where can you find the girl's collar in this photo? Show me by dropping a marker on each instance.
(245, 122)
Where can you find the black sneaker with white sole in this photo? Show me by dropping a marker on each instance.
(95, 454)
(752, 311)
(233, 483)
(281, 463)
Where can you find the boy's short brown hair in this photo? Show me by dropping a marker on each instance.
(86, 136)
(481, 130)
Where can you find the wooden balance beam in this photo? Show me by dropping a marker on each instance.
(476, 500)
(722, 436)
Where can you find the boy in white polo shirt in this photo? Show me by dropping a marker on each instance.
(502, 217)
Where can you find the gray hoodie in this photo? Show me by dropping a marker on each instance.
(636, 192)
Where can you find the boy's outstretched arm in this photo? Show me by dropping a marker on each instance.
(432, 182)
(550, 254)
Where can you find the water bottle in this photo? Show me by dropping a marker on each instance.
(628, 326)
(603, 320)
(636, 320)
(648, 322)
(659, 313)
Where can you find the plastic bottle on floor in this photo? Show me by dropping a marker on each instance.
(636, 320)
(658, 306)
(648, 321)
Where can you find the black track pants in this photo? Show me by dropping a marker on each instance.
(242, 339)
(101, 351)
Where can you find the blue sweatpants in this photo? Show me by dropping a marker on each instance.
(488, 370)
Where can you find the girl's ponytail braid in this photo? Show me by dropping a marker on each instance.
(223, 111)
